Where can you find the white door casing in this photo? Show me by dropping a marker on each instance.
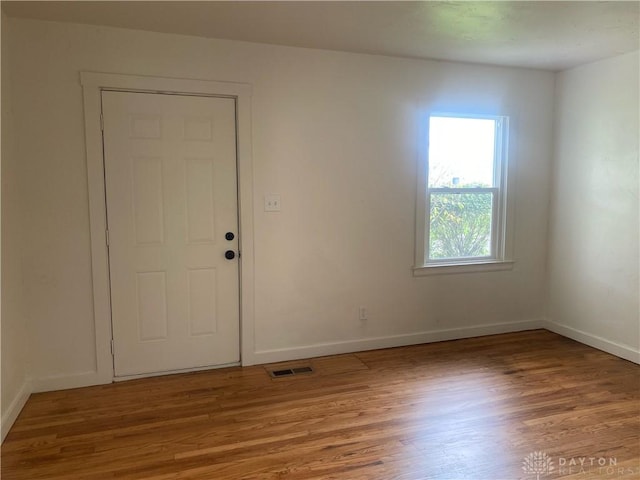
(93, 83)
(170, 179)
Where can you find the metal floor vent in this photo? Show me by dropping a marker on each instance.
(288, 372)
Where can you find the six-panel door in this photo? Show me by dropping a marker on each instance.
(170, 176)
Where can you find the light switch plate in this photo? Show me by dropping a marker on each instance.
(272, 203)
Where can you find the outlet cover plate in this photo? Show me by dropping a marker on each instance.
(272, 203)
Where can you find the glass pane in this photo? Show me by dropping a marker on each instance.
(460, 225)
(461, 152)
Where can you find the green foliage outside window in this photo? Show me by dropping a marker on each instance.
(460, 225)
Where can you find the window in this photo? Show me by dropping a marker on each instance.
(463, 212)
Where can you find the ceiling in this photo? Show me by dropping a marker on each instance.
(548, 35)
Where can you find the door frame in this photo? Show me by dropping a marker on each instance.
(92, 86)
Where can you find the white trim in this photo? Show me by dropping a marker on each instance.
(92, 84)
(471, 267)
(619, 350)
(502, 229)
(67, 381)
(493, 190)
(163, 84)
(14, 409)
(245, 209)
(97, 225)
(421, 193)
(336, 348)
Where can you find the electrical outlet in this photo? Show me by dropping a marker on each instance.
(362, 313)
(272, 203)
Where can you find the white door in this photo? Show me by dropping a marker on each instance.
(170, 176)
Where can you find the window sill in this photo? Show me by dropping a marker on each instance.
(449, 268)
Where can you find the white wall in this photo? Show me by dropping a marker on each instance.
(338, 136)
(15, 353)
(593, 250)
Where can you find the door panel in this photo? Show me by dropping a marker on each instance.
(170, 176)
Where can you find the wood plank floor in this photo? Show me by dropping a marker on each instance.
(463, 409)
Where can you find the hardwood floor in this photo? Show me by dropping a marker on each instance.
(463, 409)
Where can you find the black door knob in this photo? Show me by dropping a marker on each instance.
(229, 236)
(229, 254)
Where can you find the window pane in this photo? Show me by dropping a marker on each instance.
(461, 152)
(460, 225)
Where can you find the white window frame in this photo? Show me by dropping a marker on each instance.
(500, 257)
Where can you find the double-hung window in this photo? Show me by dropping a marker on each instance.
(463, 215)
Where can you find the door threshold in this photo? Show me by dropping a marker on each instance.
(124, 378)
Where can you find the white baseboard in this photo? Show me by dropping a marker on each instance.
(617, 349)
(14, 409)
(335, 348)
(65, 382)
